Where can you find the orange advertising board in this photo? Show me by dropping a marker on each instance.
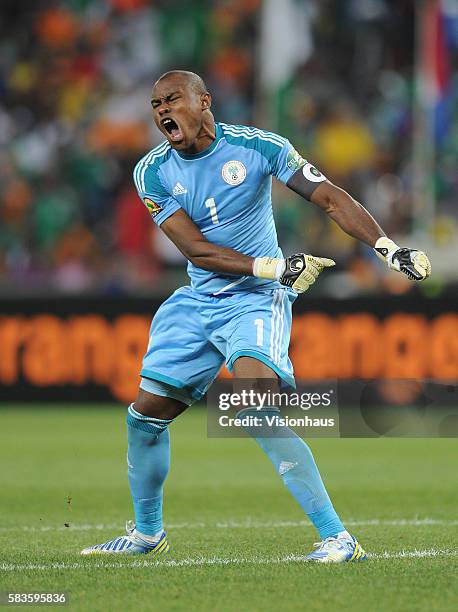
(69, 352)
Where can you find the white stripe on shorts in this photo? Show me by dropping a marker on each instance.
(272, 324)
(281, 324)
(277, 325)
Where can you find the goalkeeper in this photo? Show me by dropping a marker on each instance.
(208, 187)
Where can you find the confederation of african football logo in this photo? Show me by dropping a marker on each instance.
(233, 172)
(153, 208)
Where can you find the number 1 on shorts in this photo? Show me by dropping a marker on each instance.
(259, 331)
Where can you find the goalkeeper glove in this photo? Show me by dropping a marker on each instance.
(414, 264)
(298, 271)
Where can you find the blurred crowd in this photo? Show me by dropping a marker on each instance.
(75, 82)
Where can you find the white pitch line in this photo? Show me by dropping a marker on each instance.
(202, 561)
(415, 554)
(245, 524)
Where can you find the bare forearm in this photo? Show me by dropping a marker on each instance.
(186, 236)
(215, 258)
(349, 214)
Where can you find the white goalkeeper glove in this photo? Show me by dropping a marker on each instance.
(414, 264)
(298, 271)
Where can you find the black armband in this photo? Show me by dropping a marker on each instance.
(306, 180)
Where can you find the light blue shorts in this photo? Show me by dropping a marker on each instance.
(192, 335)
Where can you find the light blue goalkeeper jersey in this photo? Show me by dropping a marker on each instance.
(226, 190)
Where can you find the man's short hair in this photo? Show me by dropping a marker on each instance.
(195, 81)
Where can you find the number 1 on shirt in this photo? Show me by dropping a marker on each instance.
(211, 204)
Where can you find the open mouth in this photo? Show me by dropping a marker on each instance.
(172, 128)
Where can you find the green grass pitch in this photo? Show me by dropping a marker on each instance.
(236, 537)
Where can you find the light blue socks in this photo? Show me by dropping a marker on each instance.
(293, 460)
(148, 460)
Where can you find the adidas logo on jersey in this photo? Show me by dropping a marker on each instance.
(179, 190)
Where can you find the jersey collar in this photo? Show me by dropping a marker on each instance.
(209, 149)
